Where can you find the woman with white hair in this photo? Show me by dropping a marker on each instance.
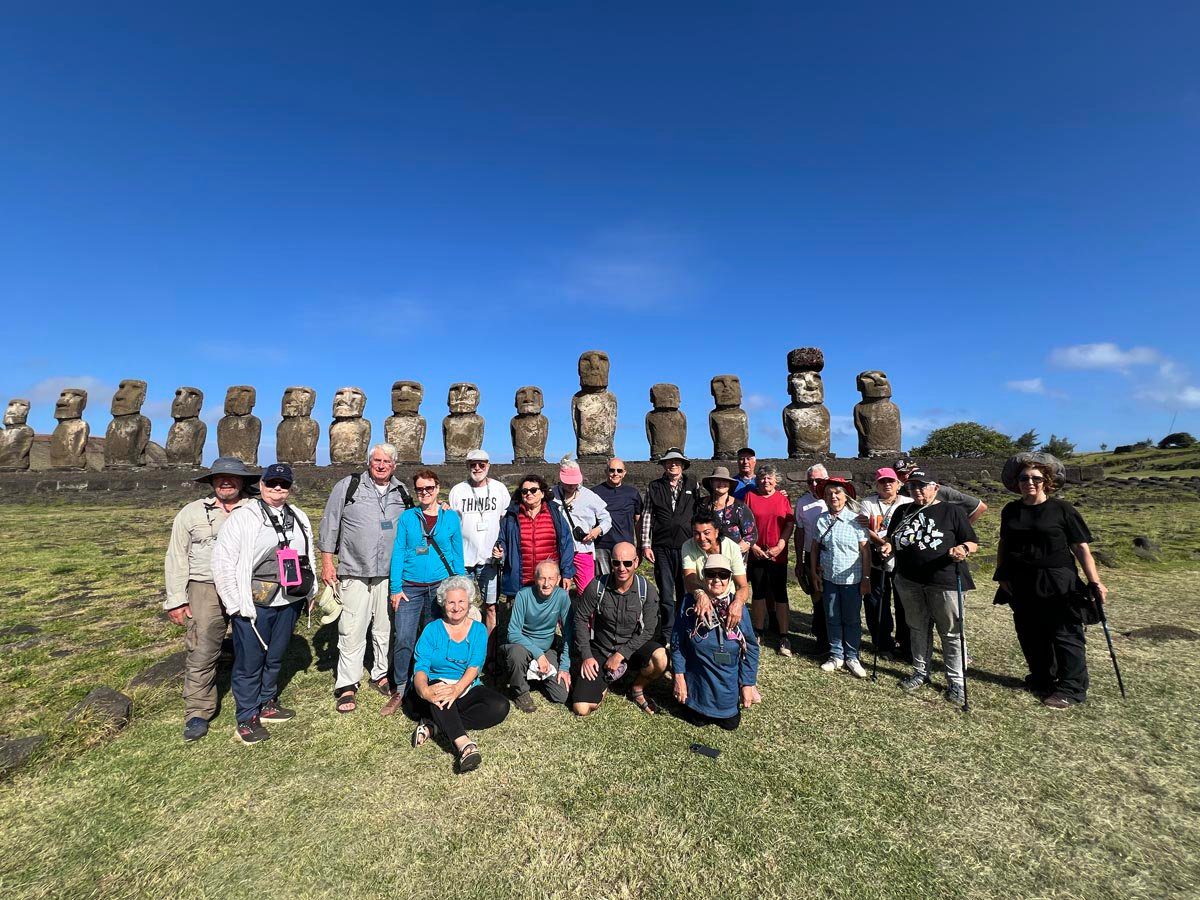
(446, 693)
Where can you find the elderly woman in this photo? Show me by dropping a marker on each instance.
(716, 668)
(768, 564)
(263, 547)
(447, 695)
(1041, 537)
(930, 539)
(427, 550)
(586, 514)
(840, 558)
(733, 515)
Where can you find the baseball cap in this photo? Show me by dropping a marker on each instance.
(747, 451)
(278, 472)
(886, 472)
(922, 476)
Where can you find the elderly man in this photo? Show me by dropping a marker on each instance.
(671, 503)
(191, 596)
(538, 612)
(746, 480)
(614, 620)
(809, 508)
(624, 503)
(359, 527)
(481, 502)
(877, 512)
(969, 504)
(707, 540)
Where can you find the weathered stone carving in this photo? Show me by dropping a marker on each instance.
(349, 432)
(728, 423)
(186, 437)
(129, 432)
(462, 430)
(16, 440)
(594, 408)
(404, 429)
(805, 419)
(297, 435)
(529, 427)
(876, 418)
(239, 431)
(68, 444)
(666, 426)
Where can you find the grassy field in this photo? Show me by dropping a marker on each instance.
(832, 788)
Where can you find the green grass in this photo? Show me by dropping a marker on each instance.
(832, 788)
(1180, 463)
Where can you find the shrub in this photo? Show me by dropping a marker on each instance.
(1176, 441)
(1059, 446)
(965, 440)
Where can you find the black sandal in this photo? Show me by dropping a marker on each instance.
(381, 686)
(346, 702)
(642, 702)
(469, 758)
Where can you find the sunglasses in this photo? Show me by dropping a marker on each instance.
(1031, 479)
(428, 489)
(723, 576)
(479, 465)
(278, 485)
(615, 471)
(814, 481)
(534, 490)
(625, 563)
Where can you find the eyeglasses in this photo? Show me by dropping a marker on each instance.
(1032, 479)
(615, 471)
(278, 485)
(427, 489)
(673, 464)
(532, 490)
(479, 465)
(625, 563)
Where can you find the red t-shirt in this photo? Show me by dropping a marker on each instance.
(771, 515)
(539, 541)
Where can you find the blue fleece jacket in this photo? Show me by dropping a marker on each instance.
(534, 622)
(414, 559)
(713, 687)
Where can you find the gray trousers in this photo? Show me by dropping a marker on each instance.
(603, 561)
(924, 607)
(364, 606)
(517, 659)
(205, 633)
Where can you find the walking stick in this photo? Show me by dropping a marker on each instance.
(883, 598)
(962, 636)
(1112, 654)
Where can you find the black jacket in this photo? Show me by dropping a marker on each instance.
(671, 527)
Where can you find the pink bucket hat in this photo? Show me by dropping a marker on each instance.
(569, 472)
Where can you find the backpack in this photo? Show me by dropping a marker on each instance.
(640, 581)
(351, 490)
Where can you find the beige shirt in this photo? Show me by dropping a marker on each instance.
(694, 558)
(189, 554)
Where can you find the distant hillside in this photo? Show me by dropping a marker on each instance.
(1143, 463)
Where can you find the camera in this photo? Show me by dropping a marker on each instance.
(579, 533)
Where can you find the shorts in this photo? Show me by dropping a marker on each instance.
(768, 580)
(584, 691)
(487, 580)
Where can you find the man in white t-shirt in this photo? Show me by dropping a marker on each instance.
(877, 512)
(481, 501)
(809, 508)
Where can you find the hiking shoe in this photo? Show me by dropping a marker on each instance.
(195, 729)
(1058, 701)
(252, 732)
(785, 647)
(914, 683)
(832, 664)
(524, 703)
(393, 703)
(273, 712)
(856, 668)
(955, 695)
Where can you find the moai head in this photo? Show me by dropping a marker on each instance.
(874, 385)
(806, 358)
(529, 401)
(407, 397)
(130, 395)
(726, 390)
(70, 404)
(665, 396)
(297, 402)
(17, 413)
(806, 387)
(239, 400)
(463, 397)
(593, 370)
(349, 403)
(187, 402)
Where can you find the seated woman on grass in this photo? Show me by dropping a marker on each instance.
(446, 693)
(715, 668)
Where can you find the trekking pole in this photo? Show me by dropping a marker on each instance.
(962, 635)
(1112, 654)
(884, 586)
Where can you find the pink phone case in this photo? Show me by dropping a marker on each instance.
(286, 556)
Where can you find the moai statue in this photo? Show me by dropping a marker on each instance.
(529, 427)
(462, 430)
(185, 439)
(666, 426)
(297, 435)
(405, 427)
(16, 440)
(728, 423)
(805, 419)
(129, 432)
(239, 430)
(349, 432)
(68, 444)
(594, 408)
(876, 418)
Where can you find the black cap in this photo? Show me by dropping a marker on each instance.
(747, 451)
(278, 472)
(919, 476)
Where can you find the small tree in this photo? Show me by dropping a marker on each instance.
(965, 440)
(1027, 441)
(1104, 448)
(1059, 446)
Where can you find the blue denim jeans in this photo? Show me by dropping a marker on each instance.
(409, 618)
(255, 676)
(843, 618)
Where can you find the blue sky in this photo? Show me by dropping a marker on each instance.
(999, 207)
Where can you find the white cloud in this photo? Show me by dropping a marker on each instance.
(760, 401)
(48, 389)
(1027, 386)
(1103, 356)
(631, 268)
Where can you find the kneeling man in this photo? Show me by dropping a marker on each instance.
(538, 611)
(615, 619)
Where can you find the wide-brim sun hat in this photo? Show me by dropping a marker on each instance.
(838, 481)
(329, 603)
(674, 453)
(1014, 465)
(720, 473)
(229, 465)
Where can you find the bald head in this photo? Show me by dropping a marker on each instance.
(624, 552)
(546, 576)
(616, 471)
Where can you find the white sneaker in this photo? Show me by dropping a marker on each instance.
(831, 665)
(856, 668)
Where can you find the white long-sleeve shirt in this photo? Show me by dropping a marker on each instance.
(246, 539)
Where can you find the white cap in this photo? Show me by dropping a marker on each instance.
(478, 456)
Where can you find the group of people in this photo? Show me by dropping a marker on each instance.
(541, 590)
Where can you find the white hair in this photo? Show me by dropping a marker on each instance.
(819, 470)
(547, 562)
(456, 583)
(389, 449)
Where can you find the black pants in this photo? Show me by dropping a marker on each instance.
(668, 578)
(1051, 637)
(820, 632)
(699, 719)
(877, 607)
(480, 707)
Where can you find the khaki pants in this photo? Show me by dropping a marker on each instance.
(364, 604)
(205, 632)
